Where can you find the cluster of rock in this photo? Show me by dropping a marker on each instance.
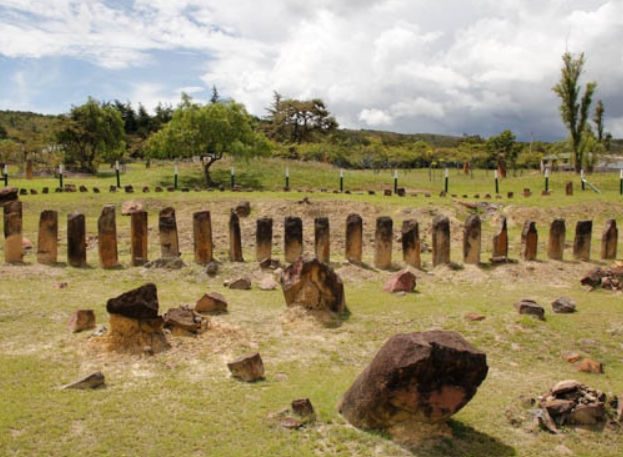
(528, 306)
(571, 403)
(606, 278)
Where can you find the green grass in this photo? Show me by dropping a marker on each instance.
(183, 401)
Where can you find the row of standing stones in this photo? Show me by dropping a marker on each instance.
(47, 251)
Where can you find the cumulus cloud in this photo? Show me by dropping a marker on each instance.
(449, 66)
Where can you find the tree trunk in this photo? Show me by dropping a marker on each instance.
(206, 172)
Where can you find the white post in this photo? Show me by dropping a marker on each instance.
(116, 165)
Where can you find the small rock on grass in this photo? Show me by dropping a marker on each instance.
(243, 283)
(92, 381)
(473, 317)
(563, 305)
(248, 368)
(530, 307)
(571, 356)
(589, 366)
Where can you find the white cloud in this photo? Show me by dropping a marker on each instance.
(375, 117)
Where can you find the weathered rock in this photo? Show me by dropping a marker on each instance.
(243, 209)
(529, 241)
(130, 207)
(186, 319)
(263, 239)
(565, 387)
(414, 380)
(143, 335)
(472, 239)
(441, 240)
(592, 278)
(293, 238)
(500, 239)
(76, 240)
(235, 238)
(202, 236)
(582, 241)
(571, 356)
(303, 408)
(587, 414)
(569, 188)
(354, 238)
(270, 264)
(383, 240)
(248, 368)
(139, 303)
(47, 244)
(211, 303)
(589, 366)
(268, 284)
(411, 245)
(13, 251)
(322, 239)
(563, 305)
(212, 268)
(107, 237)
(139, 238)
(530, 307)
(313, 285)
(8, 194)
(92, 381)
(556, 241)
(167, 228)
(168, 263)
(473, 317)
(82, 319)
(609, 240)
(403, 281)
(243, 283)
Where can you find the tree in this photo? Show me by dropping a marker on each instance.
(209, 131)
(93, 131)
(598, 119)
(3, 133)
(504, 149)
(216, 97)
(574, 107)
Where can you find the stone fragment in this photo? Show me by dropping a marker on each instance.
(8, 194)
(354, 238)
(139, 239)
(202, 237)
(268, 284)
(243, 209)
(167, 228)
(414, 380)
(303, 408)
(586, 414)
(139, 303)
(82, 319)
(263, 239)
(563, 305)
(13, 251)
(592, 278)
(92, 381)
(589, 366)
(383, 240)
(571, 356)
(473, 317)
(472, 239)
(582, 241)
(211, 303)
(313, 285)
(130, 207)
(403, 281)
(530, 307)
(609, 240)
(441, 240)
(76, 240)
(243, 283)
(411, 245)
(556, 241)
(107, 237)
(249, 368)
(529, 241)
(293, 238)
(322, 239)
(186, 319)
(47, 242)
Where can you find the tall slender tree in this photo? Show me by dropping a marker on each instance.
(598, 119)
(574, 107)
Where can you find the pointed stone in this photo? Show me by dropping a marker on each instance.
(609, 240)
(235, 238)
(500, 239)
(82, 319)
(529, 241)
(92, 381)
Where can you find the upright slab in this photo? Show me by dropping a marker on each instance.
(441, 240)
(383, 240)
(293, 238)
(609, 240)
(107, 237)
(472, 234)
(235, 238)
(556, 241)
(411, 246)
(139, 238)
(264, 239)
(76, 239)
(13, 251)
(569, 188)
(202, 237)
(354, 238)
(529, 241)
(29, 169)
(47, 242)
(322, 239)
(582, 241)
(500, 239)
(167, 228)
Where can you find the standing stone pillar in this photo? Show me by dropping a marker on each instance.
(529, 241)
(441, 240)
(322, 239)
(235, 238)
(202, 235)
(411, 246)
(383, 239)
(500, 239)
(107, 237)
(139, 238)
(354, 238)
(582, 241)
(472, 234)
(167, 227)
(13, 251)
(293, 238)
(556, 242)
(29, 169)
(264, 239)
(569, 188)
(47, 243)
(76, 239)
(609, 240)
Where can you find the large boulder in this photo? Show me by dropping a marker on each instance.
(313, 285)
(416, 379)
(403, 281)
(8, 194)
(140, 303)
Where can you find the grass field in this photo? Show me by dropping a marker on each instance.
(183, 401)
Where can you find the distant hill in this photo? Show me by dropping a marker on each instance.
(395, 139)
(35, 131)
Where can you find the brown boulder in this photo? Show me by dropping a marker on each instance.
(249, 368)
(416, 378)
(243, 209)
(82, 319)
(592, 278)
(313, 285)
(589, 366)
(403, 281)
(243, 283)
(140, 303)
(211, 303)
(563, 305)
(186, 319)
(530, 307)
(8, 194)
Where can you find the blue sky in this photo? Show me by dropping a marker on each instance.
(449, 66)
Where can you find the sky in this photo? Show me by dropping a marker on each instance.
(411, 66)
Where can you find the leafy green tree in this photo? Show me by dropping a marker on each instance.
(215, 97)
(503, 149)
(94, 131)
(3, 133)
(209, 131)
(598, 119)
(574, 107)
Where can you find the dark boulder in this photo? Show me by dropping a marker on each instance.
(140, 303)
